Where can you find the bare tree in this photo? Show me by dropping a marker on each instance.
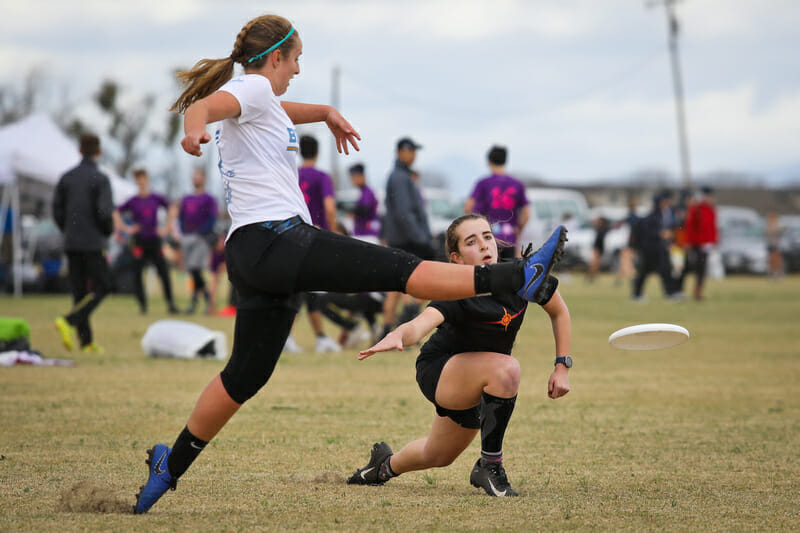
(127, 122)
(19, 102)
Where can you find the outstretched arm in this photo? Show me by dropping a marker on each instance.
(407, 334)
(342, 130)
(558, 384)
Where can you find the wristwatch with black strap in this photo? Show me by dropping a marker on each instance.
(565, 360)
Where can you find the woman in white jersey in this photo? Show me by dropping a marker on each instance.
(272, 252)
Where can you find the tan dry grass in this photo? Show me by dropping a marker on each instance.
(705, 436)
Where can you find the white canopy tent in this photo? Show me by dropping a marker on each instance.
(34, 152)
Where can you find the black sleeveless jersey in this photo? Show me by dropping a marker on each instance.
(477, 324)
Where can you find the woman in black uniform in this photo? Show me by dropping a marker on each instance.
(466, 369)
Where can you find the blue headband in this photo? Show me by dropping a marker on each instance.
(271, 48)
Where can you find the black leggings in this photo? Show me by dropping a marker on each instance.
(698, 260)
(89, 281)
(148, 250)
(268, 266)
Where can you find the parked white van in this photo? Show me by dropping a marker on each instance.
(742, 240)
(551, 207)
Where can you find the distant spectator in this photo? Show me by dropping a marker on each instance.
(146, 237)
(83, 210)
(625, 268)
(317, 186)
(501, 199)
(318, 193)
(196, 217)
(652, 237)
(405, 225)
(701, 236)
(366, 225)
(679, 249)
(775, 258)
(601, 227)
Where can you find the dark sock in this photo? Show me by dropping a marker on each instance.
(495, 415)
(501, 278)
(385, 472)
(185, 450)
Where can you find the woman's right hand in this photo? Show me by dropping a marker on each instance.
(191, 143)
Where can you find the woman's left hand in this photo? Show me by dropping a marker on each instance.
(558, 385)
(342, 131)
(392, 341)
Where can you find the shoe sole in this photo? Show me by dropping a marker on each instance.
(559, 252)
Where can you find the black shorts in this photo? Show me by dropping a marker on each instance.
(429, 370)
(269, 263)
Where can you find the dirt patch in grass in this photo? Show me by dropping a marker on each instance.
(89, 496)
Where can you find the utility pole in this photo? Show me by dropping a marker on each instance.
(335, 174)
(673, 28)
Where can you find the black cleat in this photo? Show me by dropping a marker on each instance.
(369, 474)
(491, 477)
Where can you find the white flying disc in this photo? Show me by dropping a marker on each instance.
(648, 337)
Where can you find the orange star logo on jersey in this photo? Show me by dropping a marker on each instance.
(507, 318)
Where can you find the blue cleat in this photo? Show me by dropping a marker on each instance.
(159, 481)
(537, 265)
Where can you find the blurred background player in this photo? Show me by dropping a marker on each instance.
(83, 211)
(466, 370)
(405, 224)
(774, 232)
(196, 218)
(653, 236)
(318, 193)
(366, 225)
(625, 269)
(601, 228)
(146, 237)
(701, 236)
(501, 199)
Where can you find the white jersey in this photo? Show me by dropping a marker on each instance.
(258, 156)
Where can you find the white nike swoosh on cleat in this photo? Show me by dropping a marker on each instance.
(496, 492)
(367, 471)
(157, 468)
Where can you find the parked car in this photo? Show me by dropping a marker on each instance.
(551, 207)
(742, 241)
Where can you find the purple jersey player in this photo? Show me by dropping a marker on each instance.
(146, 237)
(198, 213)
(501, 199)
(365, 212)
(143, 210)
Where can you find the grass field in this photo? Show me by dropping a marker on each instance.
(704, 436)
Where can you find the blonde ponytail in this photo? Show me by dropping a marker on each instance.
(253, 39)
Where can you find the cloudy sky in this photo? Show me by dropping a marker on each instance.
(579, 90)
